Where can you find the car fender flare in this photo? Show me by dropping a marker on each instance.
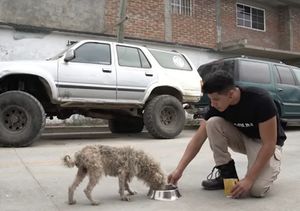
(45, 78)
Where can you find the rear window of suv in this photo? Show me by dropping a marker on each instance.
(285, 75)
(171, 60)
(297, 73)
(254, 71)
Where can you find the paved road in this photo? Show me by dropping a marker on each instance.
(34, 179)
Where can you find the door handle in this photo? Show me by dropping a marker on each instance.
(279, 89)
(149, 74)
(106, 70)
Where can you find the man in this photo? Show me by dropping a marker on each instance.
(245, 120)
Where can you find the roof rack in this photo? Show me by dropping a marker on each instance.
(263, 59)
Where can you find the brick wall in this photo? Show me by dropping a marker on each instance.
(111, 16)
(284, 28)
(295, 18)
(147, 21)
(198, 29)
(230, 31)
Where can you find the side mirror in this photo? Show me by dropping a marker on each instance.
(69, 55)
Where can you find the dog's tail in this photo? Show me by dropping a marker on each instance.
(68, 161)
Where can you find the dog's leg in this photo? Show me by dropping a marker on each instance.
(128, 189)
(122, 185)
(94, 178)
(81, 173)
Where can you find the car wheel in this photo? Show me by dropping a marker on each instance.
(22, 119)
(128, 125)
(164, 116)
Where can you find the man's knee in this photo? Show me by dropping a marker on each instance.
(214, 121)
(259, 189)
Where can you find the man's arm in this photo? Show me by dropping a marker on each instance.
(268, 134)
(191, 151)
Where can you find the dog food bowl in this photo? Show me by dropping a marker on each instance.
(168, 193)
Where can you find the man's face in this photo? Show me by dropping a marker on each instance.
(220, 101)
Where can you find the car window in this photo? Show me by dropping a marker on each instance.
(171, 60)
(254, 71)
(144, 60)
(132, 57)
(285, 75)
(96, 53)
(297, 73)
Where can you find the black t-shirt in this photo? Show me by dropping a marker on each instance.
(255, 106)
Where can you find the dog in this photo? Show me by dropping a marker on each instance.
(124, 163)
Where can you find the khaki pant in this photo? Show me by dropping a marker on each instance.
(223, 134)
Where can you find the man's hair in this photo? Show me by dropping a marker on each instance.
(219, 81)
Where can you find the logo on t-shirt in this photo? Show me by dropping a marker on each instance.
(244, 125)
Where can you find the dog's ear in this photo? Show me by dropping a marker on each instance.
(160, 177)
(136, 169)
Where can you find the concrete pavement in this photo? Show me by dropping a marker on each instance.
(34, 178)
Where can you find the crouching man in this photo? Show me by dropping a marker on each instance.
(245, 120)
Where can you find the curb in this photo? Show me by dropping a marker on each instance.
(81, 132)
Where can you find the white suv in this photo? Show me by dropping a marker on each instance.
(129, 85)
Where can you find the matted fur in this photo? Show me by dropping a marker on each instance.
(123, 162)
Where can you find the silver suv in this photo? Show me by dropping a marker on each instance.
(129, 85)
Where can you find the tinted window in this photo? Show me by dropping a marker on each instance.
(96, 53)
(297, 73)
(285, 75)
(131, 57)
(171, 60)
(256, 72)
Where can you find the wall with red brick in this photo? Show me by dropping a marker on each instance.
(145, 19)
(111, 16)
(231, 32)
(295, 18)
(198, 29)
(284, 28)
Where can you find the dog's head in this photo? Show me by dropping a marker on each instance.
(158, 181)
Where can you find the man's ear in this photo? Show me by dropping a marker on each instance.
(230, 93)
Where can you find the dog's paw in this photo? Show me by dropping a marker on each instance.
(72, 202)
(125, 198)
(132, 193)
(94, 203)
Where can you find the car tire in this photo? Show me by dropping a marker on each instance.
(164, 117)
(128, 125)
(22, 119)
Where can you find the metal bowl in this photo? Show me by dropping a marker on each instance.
(168, 193)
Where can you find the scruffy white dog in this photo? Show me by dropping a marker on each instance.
(124, 163)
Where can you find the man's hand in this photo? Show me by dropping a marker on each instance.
(190, 152)
(241, 189)
(174, 177)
